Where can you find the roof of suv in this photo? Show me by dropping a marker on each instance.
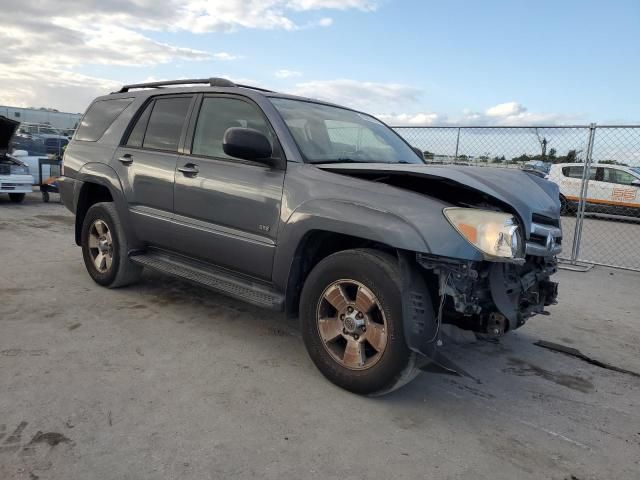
(198, 85)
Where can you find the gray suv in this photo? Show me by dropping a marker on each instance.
(313, 209)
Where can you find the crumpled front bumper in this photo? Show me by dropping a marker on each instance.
(493, 297)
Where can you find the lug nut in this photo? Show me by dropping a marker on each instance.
(344, 330)
(360, 315)
(356, 336)
(342, 317)
(349, 309)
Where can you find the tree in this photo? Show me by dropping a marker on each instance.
(543, 144)
(428, 155)
(552, 153)
(572, 156)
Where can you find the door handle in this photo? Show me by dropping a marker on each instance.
(126, 159)
(189, 170)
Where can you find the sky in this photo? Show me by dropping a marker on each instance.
(409, 62)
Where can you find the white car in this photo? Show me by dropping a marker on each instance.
(613, 189)
(14, 174)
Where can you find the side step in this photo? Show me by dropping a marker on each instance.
(237, 286)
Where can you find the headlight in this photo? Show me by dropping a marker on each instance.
(19, 170)
(495, 234)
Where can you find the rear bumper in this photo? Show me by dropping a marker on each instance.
(68, 188)
(16, 183)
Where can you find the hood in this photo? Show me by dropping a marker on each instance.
(528, 195)
(7, 129)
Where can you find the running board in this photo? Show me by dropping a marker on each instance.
(217, 279)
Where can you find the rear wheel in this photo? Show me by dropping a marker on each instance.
(17, 197)
(105, 248)
(351, 312)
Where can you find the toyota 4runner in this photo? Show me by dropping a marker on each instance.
(314, 209)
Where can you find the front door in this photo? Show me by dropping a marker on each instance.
(146, 166)
(227, 209)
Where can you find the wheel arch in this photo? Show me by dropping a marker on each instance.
(98, 182)
(314, 246)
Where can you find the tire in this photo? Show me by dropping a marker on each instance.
(120, 271)
(373, 273)
(17, 197)
(567, 208)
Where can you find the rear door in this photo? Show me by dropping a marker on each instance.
(228, 209)
(571, 182)
(146, 165)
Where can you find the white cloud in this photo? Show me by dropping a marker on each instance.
(366, 5)
(505, 110)
(504, 114)
(224, 56)
(284, 73)
(42, 41)
(410, 119)
(363, 95)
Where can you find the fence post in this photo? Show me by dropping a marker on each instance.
(457, 145)
(577, 234)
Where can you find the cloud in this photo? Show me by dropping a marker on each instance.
(505, 110)
(413, 119)
(365, 5)
(41, 40)
(224, 56)
(284, 73)
(504, 114)
(363, 95)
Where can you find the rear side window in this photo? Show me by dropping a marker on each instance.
(99, 117)
(136, 136)
(572, 172)
(165, 123)
(577, 172)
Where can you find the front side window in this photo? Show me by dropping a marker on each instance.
(218, 114)
(165, 123)
(327, 134)
(624, 178)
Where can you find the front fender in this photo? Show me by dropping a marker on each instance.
(343, 217)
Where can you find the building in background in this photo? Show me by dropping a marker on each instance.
(54, 118)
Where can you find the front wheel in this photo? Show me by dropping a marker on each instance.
(105, 248)
(351, 313)
(17, 197)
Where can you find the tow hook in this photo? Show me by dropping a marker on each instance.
(496, 325)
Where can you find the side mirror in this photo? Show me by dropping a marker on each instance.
(636, 183)
(247, 144)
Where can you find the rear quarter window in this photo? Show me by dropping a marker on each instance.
(99, 117)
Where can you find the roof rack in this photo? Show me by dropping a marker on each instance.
(213, 82)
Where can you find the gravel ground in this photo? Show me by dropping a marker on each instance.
(166, 380)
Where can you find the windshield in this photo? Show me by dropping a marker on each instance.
(636, 170)
(328, 134)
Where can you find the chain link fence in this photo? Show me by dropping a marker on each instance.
(596, 167)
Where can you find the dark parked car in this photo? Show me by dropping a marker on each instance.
(314, 209)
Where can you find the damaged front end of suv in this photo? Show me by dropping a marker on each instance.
(498, 276)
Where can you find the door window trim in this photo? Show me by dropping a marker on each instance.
(140, 112)
(280, 161)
